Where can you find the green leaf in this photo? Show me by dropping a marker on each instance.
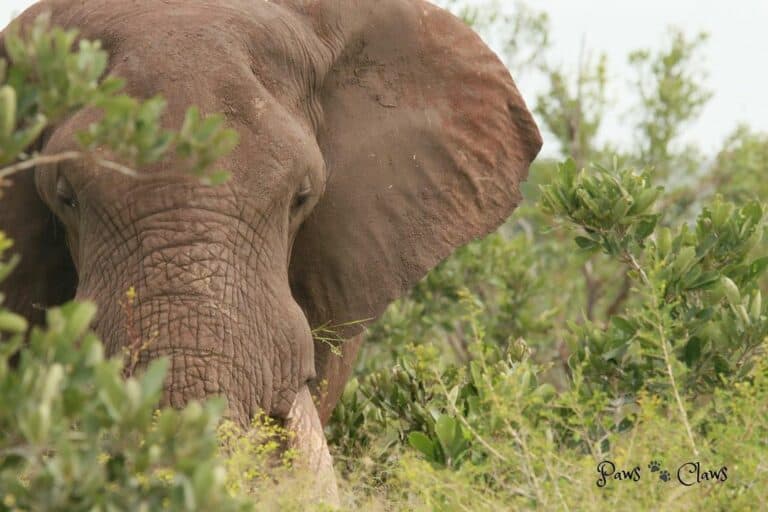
(705, 280)
(757, 268)
(586, 243)
(721, 364)
(79, 316)
(153, 379)
(424, 444)
(448, 433)
(692, 350)
(645, 227)
(623, 324)
(11, 322)
(216, 178)
(731, 291)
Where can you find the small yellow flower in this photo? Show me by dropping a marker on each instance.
(142, 480)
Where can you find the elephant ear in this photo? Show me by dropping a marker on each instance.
(45, 274)
(426, 140)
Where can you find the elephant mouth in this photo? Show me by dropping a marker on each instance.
(302, 421)
(309, 440)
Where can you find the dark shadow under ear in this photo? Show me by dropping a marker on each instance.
(45, 276)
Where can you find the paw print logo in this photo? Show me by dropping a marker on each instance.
(654, 466)
(664, 476)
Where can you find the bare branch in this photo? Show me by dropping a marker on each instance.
(620, 298)
(66, 156)
(39, 160)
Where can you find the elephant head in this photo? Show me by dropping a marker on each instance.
(376, 137)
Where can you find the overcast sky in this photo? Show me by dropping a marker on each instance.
(734, 55)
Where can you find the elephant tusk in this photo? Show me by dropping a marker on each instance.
(310, 441)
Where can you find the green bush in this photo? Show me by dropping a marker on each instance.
(701, 318)
(76, 435)
(494, 435)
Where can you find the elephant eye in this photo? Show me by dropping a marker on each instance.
(304, 192)
(65, 193)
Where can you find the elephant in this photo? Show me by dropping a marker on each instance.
(376, 137)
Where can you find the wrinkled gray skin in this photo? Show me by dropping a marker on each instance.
(376, 137)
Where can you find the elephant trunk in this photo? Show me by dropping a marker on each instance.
(213, 297)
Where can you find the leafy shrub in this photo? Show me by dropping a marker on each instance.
(702, 316)
(492, 435)
(77, 436)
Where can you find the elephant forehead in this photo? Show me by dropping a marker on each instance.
(120, 21)
(181, 39)
(253, 61)
(274, 152)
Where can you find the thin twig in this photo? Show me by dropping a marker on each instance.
(464, 422)
(593, 287)
(681, 407)
(66, 156)
(528, 462)
(39, 160)
(620, 298)
(114, 166)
